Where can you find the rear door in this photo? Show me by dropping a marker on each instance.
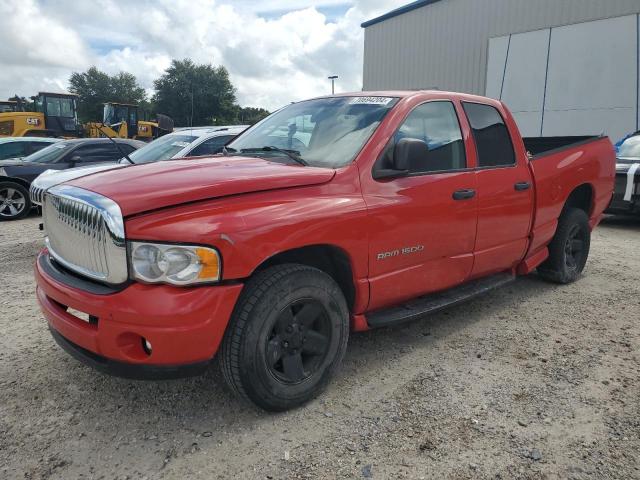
(505, 192)
(423, 230)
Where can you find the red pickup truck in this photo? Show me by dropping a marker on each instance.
(332, 215)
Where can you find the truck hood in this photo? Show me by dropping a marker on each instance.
(140, 188)
(50, 178)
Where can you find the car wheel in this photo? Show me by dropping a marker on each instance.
(286, 338)
(14, 201)
(569, 248)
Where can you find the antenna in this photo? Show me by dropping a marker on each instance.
(124, 154)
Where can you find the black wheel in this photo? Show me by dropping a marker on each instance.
(569, 249)
(14, 201)
(286, 337)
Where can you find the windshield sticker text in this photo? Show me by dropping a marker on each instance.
(370, 100)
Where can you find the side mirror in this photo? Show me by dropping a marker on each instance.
(407, 152)
(76, 159)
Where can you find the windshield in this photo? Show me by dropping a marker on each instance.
(161, 149)
(49, 154)
(326, 132)
(60, 107)
(630, 149)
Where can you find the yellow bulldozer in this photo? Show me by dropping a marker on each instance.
(120, 120)
(56, 115)
(52, 115)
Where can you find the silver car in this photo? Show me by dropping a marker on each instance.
(185, 142)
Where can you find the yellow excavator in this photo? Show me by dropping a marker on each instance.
(53, 115)
(120, 120)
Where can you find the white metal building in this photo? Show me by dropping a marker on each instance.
(564, 67)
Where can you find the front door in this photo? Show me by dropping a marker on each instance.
(423, 226)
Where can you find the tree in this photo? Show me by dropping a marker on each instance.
(251, 115)
(195, 94)
(94, 88)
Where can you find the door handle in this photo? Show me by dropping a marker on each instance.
(522, 186)
(464, 194)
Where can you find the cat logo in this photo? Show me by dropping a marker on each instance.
(33, 121)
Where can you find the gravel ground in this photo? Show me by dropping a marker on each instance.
(533, 381)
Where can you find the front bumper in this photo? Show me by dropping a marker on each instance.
(618, 203)
(183, 325)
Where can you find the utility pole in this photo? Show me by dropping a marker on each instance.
(333, 83)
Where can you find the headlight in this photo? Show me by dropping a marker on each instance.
(174, 264)
(3, 172)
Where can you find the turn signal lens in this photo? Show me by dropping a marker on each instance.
(210, 264)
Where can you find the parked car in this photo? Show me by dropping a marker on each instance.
(20, 147)
(626, 197)
(17, 175)
(385, 207)
(192, 142)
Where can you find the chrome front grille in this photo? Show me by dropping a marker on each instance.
(36, 193)
(85, 233)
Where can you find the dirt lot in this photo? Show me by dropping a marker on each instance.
(535, 381)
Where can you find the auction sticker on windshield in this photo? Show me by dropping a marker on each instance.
(370, 100)
(180, 144)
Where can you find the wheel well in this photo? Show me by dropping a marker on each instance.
(581, 197)
(19, 181)
(330, 259)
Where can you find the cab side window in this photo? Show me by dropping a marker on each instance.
(436, 124)
(211, 147)
(96, 153)
(12, 150)
(491, 135)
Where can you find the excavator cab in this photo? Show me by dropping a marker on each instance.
(122, 118)
(50, 115)
(60, 113)
(8, 106)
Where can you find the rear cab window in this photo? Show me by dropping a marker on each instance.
(491, 135)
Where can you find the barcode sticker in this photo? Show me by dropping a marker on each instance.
(370, 100)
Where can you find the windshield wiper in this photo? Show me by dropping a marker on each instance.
(292, 154)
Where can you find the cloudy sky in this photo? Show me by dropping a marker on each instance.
(276, 51)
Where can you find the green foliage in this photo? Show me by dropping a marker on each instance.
(208, 86)
(195, 94)
(94, 88)
(251, 115)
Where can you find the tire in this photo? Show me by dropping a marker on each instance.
(14, 201)
(569, 248)
(286, 337)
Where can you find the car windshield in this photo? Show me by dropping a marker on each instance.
(630, 149)
(326, 132)
(163, 148)
(49, 154)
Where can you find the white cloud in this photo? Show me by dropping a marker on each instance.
(272, 59)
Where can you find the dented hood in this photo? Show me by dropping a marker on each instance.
(140, 188)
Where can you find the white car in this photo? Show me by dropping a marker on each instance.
(184, 142)
(20, 147)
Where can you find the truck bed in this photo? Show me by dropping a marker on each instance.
(561, 165)
(538, 146)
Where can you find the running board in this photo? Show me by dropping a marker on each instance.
(437, 301)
